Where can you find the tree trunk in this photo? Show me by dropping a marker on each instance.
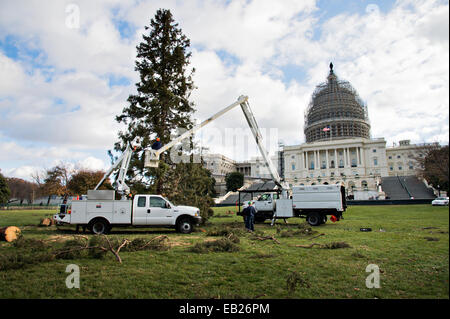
(9, 233)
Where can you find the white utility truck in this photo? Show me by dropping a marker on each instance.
(99, 211)
(313, 202)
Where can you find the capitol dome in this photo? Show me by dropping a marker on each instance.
(335, 112)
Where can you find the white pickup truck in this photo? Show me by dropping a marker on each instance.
(99, 211)
(313, 202)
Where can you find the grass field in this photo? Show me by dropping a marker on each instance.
(411, 266)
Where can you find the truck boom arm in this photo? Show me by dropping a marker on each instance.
(124, 162)
(258, 138)
(152, 156)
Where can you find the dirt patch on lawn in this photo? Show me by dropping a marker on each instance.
(59, 238)
(185, 241)
(178, 243)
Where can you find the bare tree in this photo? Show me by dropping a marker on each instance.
(433, 161)
(55, 180)
(21, 189)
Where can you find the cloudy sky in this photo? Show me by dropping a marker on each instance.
(67, 68)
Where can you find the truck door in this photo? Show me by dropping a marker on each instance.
(141, 206)
(160, 212)
(122, 212)
(274, 200)
(264, 203)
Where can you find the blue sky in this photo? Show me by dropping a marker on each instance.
(65, 72)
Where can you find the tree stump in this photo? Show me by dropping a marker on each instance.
(46, 222)
(9, 233)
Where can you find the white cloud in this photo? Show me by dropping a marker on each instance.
(83, 118)
(61, 98)
(91, 164)
(397, 61)
(11, 83)
(24, 172)
(11, 151)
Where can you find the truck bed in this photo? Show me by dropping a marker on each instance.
(115, 211)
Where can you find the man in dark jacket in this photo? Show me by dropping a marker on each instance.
(250, 219)
(157, 145)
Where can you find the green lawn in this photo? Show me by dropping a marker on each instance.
(411, 266)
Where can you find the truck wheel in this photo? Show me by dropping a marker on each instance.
(324, 219)
(99, 226)
(184, 226)
(314, 219)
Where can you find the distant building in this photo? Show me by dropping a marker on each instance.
(401, 159)
(219, 164)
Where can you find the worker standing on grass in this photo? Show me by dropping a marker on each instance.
(245, 214)
(157, 145)
(250, 219)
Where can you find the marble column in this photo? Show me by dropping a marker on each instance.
(315, 160)
(348, 157)
(358, 162)
(305, 160)
(363, 161)
(345, 156)
(335, 158)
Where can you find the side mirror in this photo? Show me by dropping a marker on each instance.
(167, 205)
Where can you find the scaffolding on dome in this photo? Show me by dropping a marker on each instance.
(336, 105)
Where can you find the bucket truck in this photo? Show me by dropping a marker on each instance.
(99, 211)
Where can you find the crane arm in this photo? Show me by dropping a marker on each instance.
(152, 156)
(124, 162)
(258, 138)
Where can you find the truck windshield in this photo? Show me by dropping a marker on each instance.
(171, 205)
(264, 197)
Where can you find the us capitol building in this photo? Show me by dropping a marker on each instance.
(338, 149)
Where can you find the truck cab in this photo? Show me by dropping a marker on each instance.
(157, 210)
(264, 205)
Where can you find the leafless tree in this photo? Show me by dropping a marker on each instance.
(433, 164)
